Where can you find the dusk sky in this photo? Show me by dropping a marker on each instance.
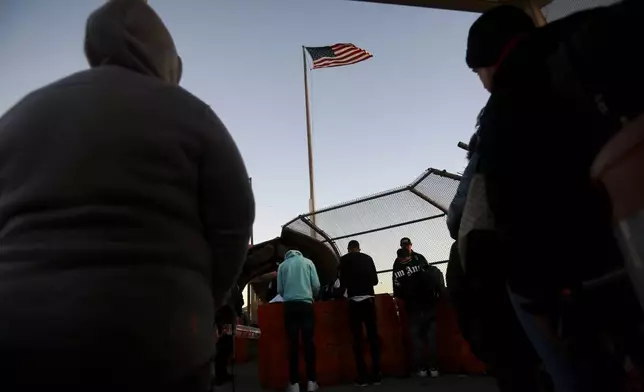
(377, 124)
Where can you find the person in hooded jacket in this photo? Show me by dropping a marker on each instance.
(298, 284)
(125, 215)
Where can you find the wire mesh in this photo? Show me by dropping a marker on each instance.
(379, 221)
(562, 8)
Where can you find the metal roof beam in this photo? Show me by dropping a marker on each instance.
(463, 5)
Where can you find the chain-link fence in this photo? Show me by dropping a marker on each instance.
(561, 8)
(379, 221)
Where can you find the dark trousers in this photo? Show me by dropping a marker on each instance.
(224, 353)
(422, 328)
(300, 319)
(364, 312)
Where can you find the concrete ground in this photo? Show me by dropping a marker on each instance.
(247, 380)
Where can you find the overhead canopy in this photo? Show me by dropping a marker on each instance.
(379, 221)
(462, 5)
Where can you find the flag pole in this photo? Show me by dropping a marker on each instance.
(308, 136)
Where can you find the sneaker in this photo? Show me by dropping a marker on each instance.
(376, 379)
(361, 382)
(421, 373)
(312, 386)
(434, 373)
(293, 388)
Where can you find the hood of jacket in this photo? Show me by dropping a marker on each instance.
(292, 253)
(129, 34)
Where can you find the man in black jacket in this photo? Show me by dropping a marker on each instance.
(537, 135)
(358, 275)
(125, 215)
(419, 285)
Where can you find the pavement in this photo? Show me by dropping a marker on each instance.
(247, 380)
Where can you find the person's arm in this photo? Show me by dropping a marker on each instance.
(373, 273)
(280, 282)
(456, 207)
(315, 280)
(226, 204)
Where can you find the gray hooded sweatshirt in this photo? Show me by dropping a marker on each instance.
(125, 215)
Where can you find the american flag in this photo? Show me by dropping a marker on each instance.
(337, 55)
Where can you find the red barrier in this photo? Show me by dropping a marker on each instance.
(392, 351)
(454, 354)
(335, 358)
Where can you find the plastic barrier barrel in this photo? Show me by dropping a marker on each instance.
(454, 354)
(392, 351)
(273, 348)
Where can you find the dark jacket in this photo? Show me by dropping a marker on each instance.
(125, 213)
(357, 274)
(416, 282)
(535, 152)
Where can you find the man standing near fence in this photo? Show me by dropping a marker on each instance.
(419, 285)
(298, 284)
(358, 276)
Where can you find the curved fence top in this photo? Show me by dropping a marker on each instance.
(379, 221)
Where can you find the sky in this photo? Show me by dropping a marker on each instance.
(376, 125)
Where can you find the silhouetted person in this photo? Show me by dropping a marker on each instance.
(226, 318)
(419, 285)
(358, 276)
(125, 215)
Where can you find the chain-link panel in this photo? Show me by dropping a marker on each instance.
(562, 8)
(379, 221)
(439, 187)
(430, 238)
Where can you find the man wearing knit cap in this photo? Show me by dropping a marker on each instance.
(125, 215)
(492, 37)
(536, 147)
(487, 316)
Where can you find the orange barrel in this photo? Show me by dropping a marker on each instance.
(272, 349)
(392, 348)
(392, 352)
(241, 350)
(273, 345)
(619, 167)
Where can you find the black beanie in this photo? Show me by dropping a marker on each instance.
(492, 32)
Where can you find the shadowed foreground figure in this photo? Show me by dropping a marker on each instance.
(125, 214)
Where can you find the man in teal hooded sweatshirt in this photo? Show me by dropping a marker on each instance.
(298, 284)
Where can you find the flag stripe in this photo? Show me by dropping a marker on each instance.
(337, 55)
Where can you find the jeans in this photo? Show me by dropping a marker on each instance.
(422, 328)
(555, 357)
(299, 318)
(364, 312)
